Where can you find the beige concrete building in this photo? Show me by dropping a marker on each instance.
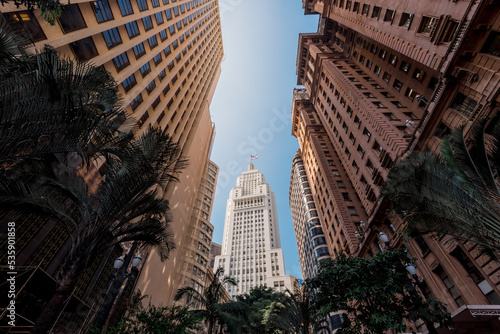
(165, 56)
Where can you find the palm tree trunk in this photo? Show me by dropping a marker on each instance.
(210, 326)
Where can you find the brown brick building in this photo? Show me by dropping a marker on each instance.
(382, 79)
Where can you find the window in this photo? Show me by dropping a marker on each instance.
(171, 29)
(427, 25)
(132, 29)
(159, 18)
(492, 44)
(405, 66)
(405, 20)
(361, 151)
(390, 116)
(163, 35)
(382, 54)
(102, 11)
(168, 13)
(386, 77)
(129, 83)
(125, 7)
(393, 60)
(145, 69)
(376, 12)
(112, 37)
(389, 15)
(151, 86)
(450, 29)
(148, 23)
(167, 51)
(352, 211)
(71, 18)
(143, 5)
(175, 44)
(155, 3)
(366, 9)
(27, 22)
(153, 42)
(356, 7)
(340, 184)
(162, 75)
(166, 90)
(464, 104)
(139, 50)
(121, 61)
(84, 49)
(170, 65)
(367, 134)
(157, 59)
(379, 104)
(397, 85)
(387, 95)
(136, 102)
(418, 74)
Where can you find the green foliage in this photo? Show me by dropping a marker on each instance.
(376, 293)
(212, 307)
(455, 192)
(51, 9)
(158, 320)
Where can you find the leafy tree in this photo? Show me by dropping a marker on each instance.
(55, 108)
(266, 310)
(125, 206)
(173, 319)
(376, 293)
(455, 192)
(213, 309)
(51, 9)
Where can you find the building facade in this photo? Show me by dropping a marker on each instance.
(165, 55)
(383, 79)
(215, 250)
(311, 241)
(251, 246)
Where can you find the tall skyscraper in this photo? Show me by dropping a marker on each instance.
(165, 56)
(383, 79)
(311, 241)
(251, 246)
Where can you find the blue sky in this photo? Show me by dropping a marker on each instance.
(252, 104)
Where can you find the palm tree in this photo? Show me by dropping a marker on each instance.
(454, 193)
(126, 206)
(51, 107)
(213, 309)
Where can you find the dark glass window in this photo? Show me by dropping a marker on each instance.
(175, 44)
(464, 104)
(143, 5)
(167, 51)
(121, 61)
(176, 10)
(139, 50)
(136, 102)
(28, 23)
(162, 75)
(170, 65)
(159, 18)
(145, 69)
(129, 83)
(166, 89)
(84, 49)
(155, 3)
(168, 13)
(112, 37)
(183, 8)
(165, 2)
(102, 11)
(153, 42)
(163, 35)
(151, 86)
(172, 29)
(71, 18)
(125, 7)
(148, 23)
(157, 59)
(179, 26)
(132, 29)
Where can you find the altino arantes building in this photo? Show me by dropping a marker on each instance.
(165, 56)
(383, 79)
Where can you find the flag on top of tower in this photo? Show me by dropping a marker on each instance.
(254, 157)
